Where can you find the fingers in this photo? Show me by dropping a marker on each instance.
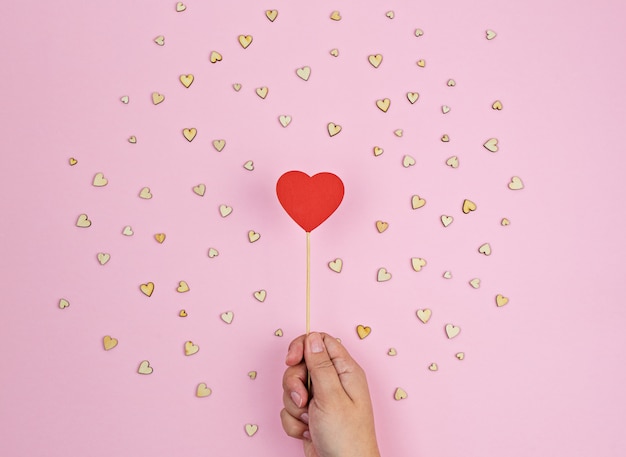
(350, 373)
(295, 395)
(324, 378)
(292, 426)
(295, 353)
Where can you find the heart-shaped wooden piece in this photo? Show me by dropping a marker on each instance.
(309, 200)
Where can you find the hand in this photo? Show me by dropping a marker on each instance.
(336, 420)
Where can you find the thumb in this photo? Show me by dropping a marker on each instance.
(324, 377)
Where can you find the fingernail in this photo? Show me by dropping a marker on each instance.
(317, 345)
(306, 435)
(305, 418)
(297, 399)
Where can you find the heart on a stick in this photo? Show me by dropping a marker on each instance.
(309, 200)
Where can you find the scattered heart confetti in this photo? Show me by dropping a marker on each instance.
(157, 98)
(460, 355)
(63, 303)
(501, 300)
(260, 295)
(490, 34)
(125, 99)
(72, 161)
(383, 275)
(417, 202)
(451, 83)
(200, 189)
(225, 210)
(249, 165)
(335, 16)
(109, 343)
(145, 193)
(417, 263)
(400, 394)
(445, 109)
(99, 180)
(190, 348)
(245, 40)
(180, 7)
(103, 258)
(398, 132)
(252, 375)
(412, 97)
(128, 231)
(375, 60)
(505, 222)
(262, 92)
(203, 390)
(271, 15)
(182, 313)
(485, 249)
(363, 331)
(516, 183)
(334, 52)
(452, 330)
(182, 287)
(424, 315)
(160, 40)
(145, 368)
(278, 332)
(491, 145)
(468, 206)
(132, 139)
(447, 274)
(383, 104)
(446, 220)
(475, 283)
(213, 253)
(190, 134)
(453, 162)
(497, 105)
(284, 120)
(215, 57)
(251, 429)
(333, 129)
(186, 80)
(421, 63)
(336, 265)
(83, 221)
(160, 237)
(445, 138)
(408, 161)
(392, 352)
(304, 73)
(433, 367)
(253, 236)
(237, 87)
(381, 226)
(419, 32)
(147, 289)
(227, 317)
(390, 14)
(378, 151)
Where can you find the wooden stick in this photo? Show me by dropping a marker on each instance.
(308, 282)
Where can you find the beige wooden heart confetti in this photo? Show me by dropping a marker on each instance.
(157, 98)
(182, 313)
(381, 226)
(334, 52)
(63, 303)
(475, 283)
(260, 295)
(132, 139)
(160, 237)
(378, 151)
(452, 330)
(490, 34)
(446, 220)
(451, 83)
(392, 352)
(497, 105)
(251, 429)
(501, 300)
(504, 222)
(304, 73)
(336, 265)
(278, 332)
(400, 394)
(468, 206)
(390, 14)
(408, 161)
(203, 390)
(225, 210)
(227, 317)
(237, 87)
(333, 129)
(215, 57)
(72, 161)
(144, 368)
(271, 15)
(424, 315)
(485, 249)
(83, 221)
(125, 99)
(453, 162)
(383, 275)
(252, 375)
(417, 263)
(160, 40)
(200, 189)
(99, 180)
(447, 274)
(375, 60)
(147, 289)
(516, 183)
(284, 120)
(398, 132)
(109, 342)
(363, 331)
(180, 7)
(445, 109)
(190, 348)
(145, 193)
(190, 134)
(186, 80)
(491, 145)
(419, 32)
(213, 253)
(433, 367)
(412, 97)
(383, 104)
(249, 165)
(262, 92)
(417, 202)
(460, 355)
(253, 236)
(245, 40)
(182, 287)
(421, 63)
(128, 231)
(445, 138)
(335, 16)
(103, 258)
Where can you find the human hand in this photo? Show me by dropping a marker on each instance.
(336, 419)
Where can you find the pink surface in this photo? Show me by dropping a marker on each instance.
(542, 375)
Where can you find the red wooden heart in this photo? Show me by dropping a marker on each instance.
(309, 200)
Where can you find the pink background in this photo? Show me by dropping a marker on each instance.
(543, 375)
